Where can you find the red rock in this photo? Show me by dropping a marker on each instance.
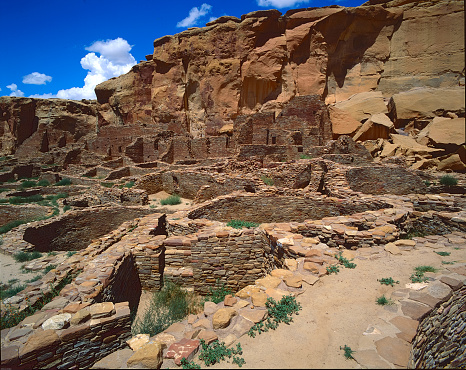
(186, 348)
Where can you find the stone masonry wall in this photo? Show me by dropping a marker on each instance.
(441, 337)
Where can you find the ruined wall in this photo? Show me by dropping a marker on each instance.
(441, 337)
(25, 212)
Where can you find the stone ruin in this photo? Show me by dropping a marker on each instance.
(333, 148)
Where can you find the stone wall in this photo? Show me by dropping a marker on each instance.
(441, 337)
(95, 332)
(75, 229)
(266, 208)
(25, 212)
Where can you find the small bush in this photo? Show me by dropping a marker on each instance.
(189, 365)
(11, 225)
(171, 200)
(427, 183)
(305, 156)
(22, 200)
(70, 253)
(418, 276)
(238, 224)
(67, 207)
(388, 281)
(107, 184)
(277, 313)
(333, 269)
(218, 294)
(348, 352)
(217, 351)
(448, 180)
(43, 182)
(28, 184)
(35, 278)
(345, 262)
(267, 180)
(423, 269)
(11, 291)
(169, 305)
(383, 301)
(27, 256)
(49, 268)
(443, 254)
(63, 182)
(128, 185)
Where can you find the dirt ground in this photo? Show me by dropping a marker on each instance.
(336, 311)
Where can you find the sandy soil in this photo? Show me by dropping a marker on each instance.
(10, 269)
(336, 311)
(154, 202)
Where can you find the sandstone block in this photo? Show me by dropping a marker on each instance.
(269, 282)
(210, 308)
(229, 300)
(39, 341)
(186, 348)
(293, 281)
(149, 355)
(281, 273)
(103, 309)
(138, 341)
(258, 299)
(208, 336)
(221, 319)
(254, 315)
(57, 322)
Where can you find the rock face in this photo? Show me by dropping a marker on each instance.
(199, 80)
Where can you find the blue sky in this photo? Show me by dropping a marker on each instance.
(63, 48)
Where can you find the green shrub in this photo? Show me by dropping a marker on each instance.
(35, 278)
(70, 253)
(10, 225)
(423, 269)
(448, 180)
(27, 256)
(333, 269)
(189, 365)
(427, 183)
(27, 184)
(63, 182)
(49, 268)
(238, 224)
(383, 301)
(388, 281)
(11, 291)
(217, 294)
(21, 200)
(169, 305)
(305, 156)
(217, 351)
(43, 182)
(345, 262)
(418, 276)
(443, 254)
(66, 207)
(171, 200)
(267, 180)
(107, 184)
(277, 313)
(348, 352)
(128, 185)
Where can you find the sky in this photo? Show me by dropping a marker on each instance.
(64, 48)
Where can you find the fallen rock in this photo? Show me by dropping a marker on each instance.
(186, 348)
(258, 299)
(363, 105)
(452, 162)
(229, 300)
(268, 282)
(281, 273)
(392, 248)
(254, 315)
(293, 281)
(208, 336)
(57, 322)
(343, 122)
(210, 308)
(149, 355)
(138, 341)
(222, 317)
(247, 291)
(378, 126)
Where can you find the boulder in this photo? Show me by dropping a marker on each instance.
(452, 162)
(410, 146)
(378, 126)
(149, 355)
(444, 132)
(363, 105)
(221, 319)
(56, 322)
(343, 122)
(425, 103)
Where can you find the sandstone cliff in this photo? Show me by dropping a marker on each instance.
(201, 79)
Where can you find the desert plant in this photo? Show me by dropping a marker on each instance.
(107, 184)
(30, 199)
(169, 305)
(277, 313)
(267, 180)
(11, 225)
(345, 262)
(348, 352)
(63, 182)
(11, 291)
(388, 281)
(239, 224)
(333, 269)
(217, 294)
(43, 182)
(383, 301)
(448, 262)
(448, 180)
(51, 253)
(171, 200)
(27, 184)
(443, 254)
(189, 365)
(427, 183)
(128, 185)
(305, 156)
(27, 256)
(70, 253)
(66, 207)
(217, 351)
(49, 268)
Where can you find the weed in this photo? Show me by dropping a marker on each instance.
(448, 262)
(27, 184)
(238, 224)
(448, 180)
(217, 351)
(107, 184)
(345, 262)
(11, 225)
(171, 200)
(43, 182)
(383, 301)
(443, 254)
(11, 291)
(423, 269)
(70, 253)
(277, 313)
(427, 183)
(35, 278)
(169, 305)
(26, 256)
(333, 269)
(388, 281)
(189, 365)
(267, 180)
(21, 200)
(218, 294)
(128, 185)
(52, 253)
(305, 156)
(49, 268)
(63, 182)
(418, 276)
(66, 207)
(348, 352)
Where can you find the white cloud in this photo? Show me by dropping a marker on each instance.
(115, 59)
(194, 15)
(281, 3)
(14, 90)
(36, 78)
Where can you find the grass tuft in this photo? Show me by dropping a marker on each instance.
(63, 182)
(348, 352)
(238, 224)
(448, 180)
(383, 301)
(171, 200)
(27, 256)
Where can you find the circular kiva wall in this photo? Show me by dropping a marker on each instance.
(273, 208)
(384, 180)
(75, 229)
